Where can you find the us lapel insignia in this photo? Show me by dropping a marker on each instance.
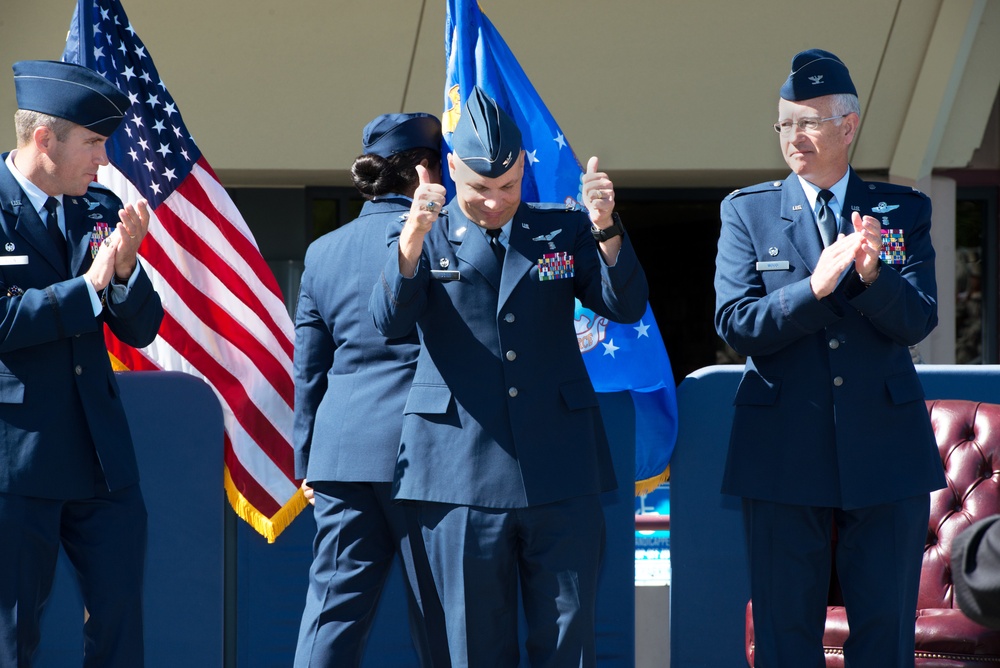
(9, 247)
(773, 251)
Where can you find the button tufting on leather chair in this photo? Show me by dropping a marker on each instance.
(968, 438)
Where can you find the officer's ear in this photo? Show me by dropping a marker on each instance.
(43, 138)
(849, 127)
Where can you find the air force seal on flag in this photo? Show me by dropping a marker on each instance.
(589, 330)
(893, 247)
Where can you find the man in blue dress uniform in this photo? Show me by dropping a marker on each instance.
(824, 281)
(503, 453)
(68, 266)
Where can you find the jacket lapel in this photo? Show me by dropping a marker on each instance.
(28, 225)
(520, 255)
(857, 199)
(78, 230)
(801, 225)
(473, 248)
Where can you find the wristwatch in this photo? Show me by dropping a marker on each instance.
(614, 230)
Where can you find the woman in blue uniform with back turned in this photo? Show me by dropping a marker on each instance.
(350, 387)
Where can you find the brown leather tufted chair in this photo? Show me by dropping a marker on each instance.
(968, 437)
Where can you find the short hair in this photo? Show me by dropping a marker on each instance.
(27, 121)
(842, 104)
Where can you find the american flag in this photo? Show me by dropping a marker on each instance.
(225, 318)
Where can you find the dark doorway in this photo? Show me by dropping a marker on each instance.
(675, 234)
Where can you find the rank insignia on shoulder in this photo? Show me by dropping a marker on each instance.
(893, 247)
(14, 291)
(552, 266)
(884, 208)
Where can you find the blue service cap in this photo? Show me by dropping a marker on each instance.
(816, 73)
(392, 133)
(73, 92)
(486, 138)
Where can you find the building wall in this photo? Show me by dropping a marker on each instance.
(666, 93)
(670, 95)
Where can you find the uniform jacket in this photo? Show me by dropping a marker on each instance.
(502, 413)
(350, 381)
(58, 394)
(830, 410)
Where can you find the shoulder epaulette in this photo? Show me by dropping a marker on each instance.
(766, 187)
(98, 186)
(554, 207)
(882, 186)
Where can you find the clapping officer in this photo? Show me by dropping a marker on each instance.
(68, 267)
(823, 281)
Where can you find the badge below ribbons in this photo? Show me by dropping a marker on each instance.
(893, 247)
(552, 266)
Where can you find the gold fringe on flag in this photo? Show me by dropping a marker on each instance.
(117, 364)
(649, 484)
(269, 528)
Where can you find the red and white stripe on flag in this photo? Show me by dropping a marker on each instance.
(225, 322)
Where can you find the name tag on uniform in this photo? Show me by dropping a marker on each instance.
(774, 265)
(7, 260)
(445, 275)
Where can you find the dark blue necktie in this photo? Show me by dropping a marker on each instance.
(825, 219)
(495, 244)
(52, 225)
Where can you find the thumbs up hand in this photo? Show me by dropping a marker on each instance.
(428, 199)
(598, 195)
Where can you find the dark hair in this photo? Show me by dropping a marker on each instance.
(375, 176)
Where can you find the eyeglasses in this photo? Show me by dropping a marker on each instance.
(804, 124)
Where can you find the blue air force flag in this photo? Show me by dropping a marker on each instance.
(618, 357)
